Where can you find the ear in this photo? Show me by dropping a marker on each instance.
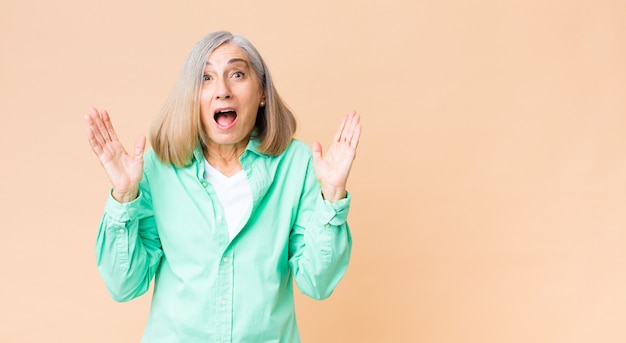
(262, 102)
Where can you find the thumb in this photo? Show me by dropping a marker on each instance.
(317, 150)
(140, 146)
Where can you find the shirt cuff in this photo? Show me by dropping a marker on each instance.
(333, 214)
(122, 212)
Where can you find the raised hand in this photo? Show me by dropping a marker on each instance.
(124, 170)
(333, 168)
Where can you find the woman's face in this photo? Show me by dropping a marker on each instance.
(229, 97)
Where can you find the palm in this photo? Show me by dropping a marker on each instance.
(333, 168)
(124, 170)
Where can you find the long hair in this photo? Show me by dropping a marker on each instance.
(178, 129)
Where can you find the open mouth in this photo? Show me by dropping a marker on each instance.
(225, 118)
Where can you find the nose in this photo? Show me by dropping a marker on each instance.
(222, 90)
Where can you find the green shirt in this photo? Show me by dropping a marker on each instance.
(207, 287)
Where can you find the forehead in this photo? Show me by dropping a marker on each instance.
(227, 53)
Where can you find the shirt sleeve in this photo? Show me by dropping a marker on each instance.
(320, 242)
(128, 249)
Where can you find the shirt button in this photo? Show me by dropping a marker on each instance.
(219, 218)
(327, 225)
(224, 302)
(121, 231)
(225, 260)
(204, 183)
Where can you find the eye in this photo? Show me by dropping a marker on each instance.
(237, 74)
(206, 77)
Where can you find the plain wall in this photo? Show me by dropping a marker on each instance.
(489, 187)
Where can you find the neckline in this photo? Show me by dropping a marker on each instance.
(213, 173)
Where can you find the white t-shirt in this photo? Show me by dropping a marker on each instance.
(234, 193)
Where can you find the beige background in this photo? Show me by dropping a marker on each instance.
(489, 189)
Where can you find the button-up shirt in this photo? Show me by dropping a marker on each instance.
(209, 288)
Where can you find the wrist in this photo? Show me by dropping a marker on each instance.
(124, 197)
(333, 194)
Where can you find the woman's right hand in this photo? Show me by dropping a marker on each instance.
(124, 170)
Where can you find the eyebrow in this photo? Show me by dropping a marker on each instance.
(232, 60)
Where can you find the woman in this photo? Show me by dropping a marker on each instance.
(227, 208)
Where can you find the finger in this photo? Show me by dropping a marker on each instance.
(90, 116)
(93, 112)
(351, 122)
(140, 146)
(354, 141)
(96, 124)
(339, 132)
(317, 150)
(96, 147)
(93, 130)
(95, 115)
(100, 125)
(108, 125)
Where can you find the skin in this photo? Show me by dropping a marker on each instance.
(123, 169)
(333, 168)
(229, 82)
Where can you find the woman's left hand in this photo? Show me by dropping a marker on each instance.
(333, 168)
